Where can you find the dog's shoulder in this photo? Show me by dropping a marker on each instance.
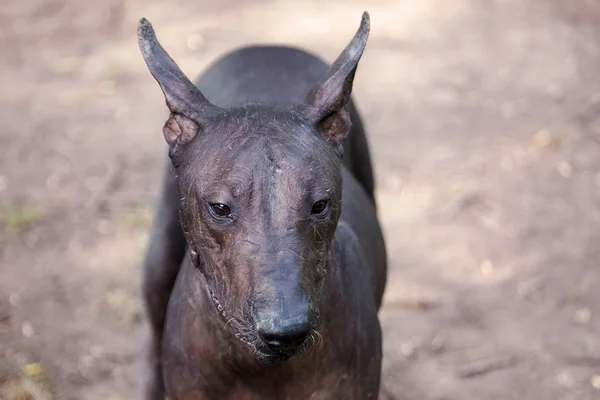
(346, 245)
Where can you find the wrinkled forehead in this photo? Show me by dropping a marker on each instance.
(254, 145)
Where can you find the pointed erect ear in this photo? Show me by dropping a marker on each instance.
(186, 103)
(327, 100)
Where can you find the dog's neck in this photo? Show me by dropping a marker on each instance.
(213, 321)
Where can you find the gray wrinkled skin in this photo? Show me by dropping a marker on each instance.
(275, 297)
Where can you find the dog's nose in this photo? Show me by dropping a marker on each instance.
(284, 333)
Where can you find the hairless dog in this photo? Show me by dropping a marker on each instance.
(266, 265)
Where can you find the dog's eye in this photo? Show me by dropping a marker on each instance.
(221, 210)
(320, 207)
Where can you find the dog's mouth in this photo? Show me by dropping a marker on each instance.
(272, 359)
(264, 352)
(268, 354)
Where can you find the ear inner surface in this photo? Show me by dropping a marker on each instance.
(179, 129)
(337, 125)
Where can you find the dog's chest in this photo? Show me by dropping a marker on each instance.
(331, 386)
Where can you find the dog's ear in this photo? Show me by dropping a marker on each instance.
(326, 103)
(187, 104)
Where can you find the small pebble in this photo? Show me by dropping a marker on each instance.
(547, 139)
(407, 349)
(195, 42)
(565, 379)
(486, 268)
(14, 299)
(565, 169)
(33, 369)
(595, 382)
(27, 330)
(410, 347)
(583, 316)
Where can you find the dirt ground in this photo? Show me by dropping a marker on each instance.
(484, 122)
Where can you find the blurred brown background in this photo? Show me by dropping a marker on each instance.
(484, 122)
